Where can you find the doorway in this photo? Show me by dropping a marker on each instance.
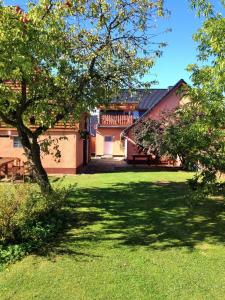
(108, 145)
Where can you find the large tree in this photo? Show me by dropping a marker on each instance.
(61, 58)
(196, 131)
(202, 121)
(148, 135)
(205, 114)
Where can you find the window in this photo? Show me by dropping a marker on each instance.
(17, 142)
(108, 138)
(136, 114)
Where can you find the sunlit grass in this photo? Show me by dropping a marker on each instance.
(131, 235)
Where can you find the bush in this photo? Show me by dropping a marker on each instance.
(12, 253)
(28, 219)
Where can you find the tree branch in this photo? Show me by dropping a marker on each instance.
(7, 120)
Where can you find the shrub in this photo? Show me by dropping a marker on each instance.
(12, 253)
(28, 218)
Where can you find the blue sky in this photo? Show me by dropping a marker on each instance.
(181, 49)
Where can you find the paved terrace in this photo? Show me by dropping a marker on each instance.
(109, 165)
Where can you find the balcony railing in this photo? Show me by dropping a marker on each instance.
(116, 120)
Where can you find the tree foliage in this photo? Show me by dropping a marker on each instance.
(149, 134)
(206, 112)
(61, 58)
(196, 131)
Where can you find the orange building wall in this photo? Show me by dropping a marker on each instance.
(71, 149)
(92, 144)
(118, 145)
(79, 152)
(68, 163)
(6, 146)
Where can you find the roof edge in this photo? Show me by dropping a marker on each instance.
(176, 86)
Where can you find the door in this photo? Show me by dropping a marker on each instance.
(108, 145)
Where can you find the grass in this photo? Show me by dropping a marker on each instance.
(132, 235)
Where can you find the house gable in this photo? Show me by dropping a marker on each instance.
(126, 110)
(168, 102)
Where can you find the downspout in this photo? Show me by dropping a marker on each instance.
(125, 149)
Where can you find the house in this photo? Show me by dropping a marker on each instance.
(72, 140)
(105, 126)
(74, 147)
(125, 111)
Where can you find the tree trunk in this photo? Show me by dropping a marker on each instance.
(33, 153)
(40, 173)
(29, 138)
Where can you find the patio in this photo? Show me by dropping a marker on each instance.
(109, 165)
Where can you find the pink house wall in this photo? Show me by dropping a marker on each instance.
(71, 149)
(169, 103)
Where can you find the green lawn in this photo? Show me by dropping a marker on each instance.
(130, 236)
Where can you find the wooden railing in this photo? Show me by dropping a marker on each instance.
(116, 120)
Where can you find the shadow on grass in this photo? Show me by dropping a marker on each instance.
(115, 167)
(153, 215)
(65, 243)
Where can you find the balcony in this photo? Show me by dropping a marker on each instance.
(116, 120)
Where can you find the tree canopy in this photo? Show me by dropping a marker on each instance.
(196, 131)
(61, 58)
(206, 112)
